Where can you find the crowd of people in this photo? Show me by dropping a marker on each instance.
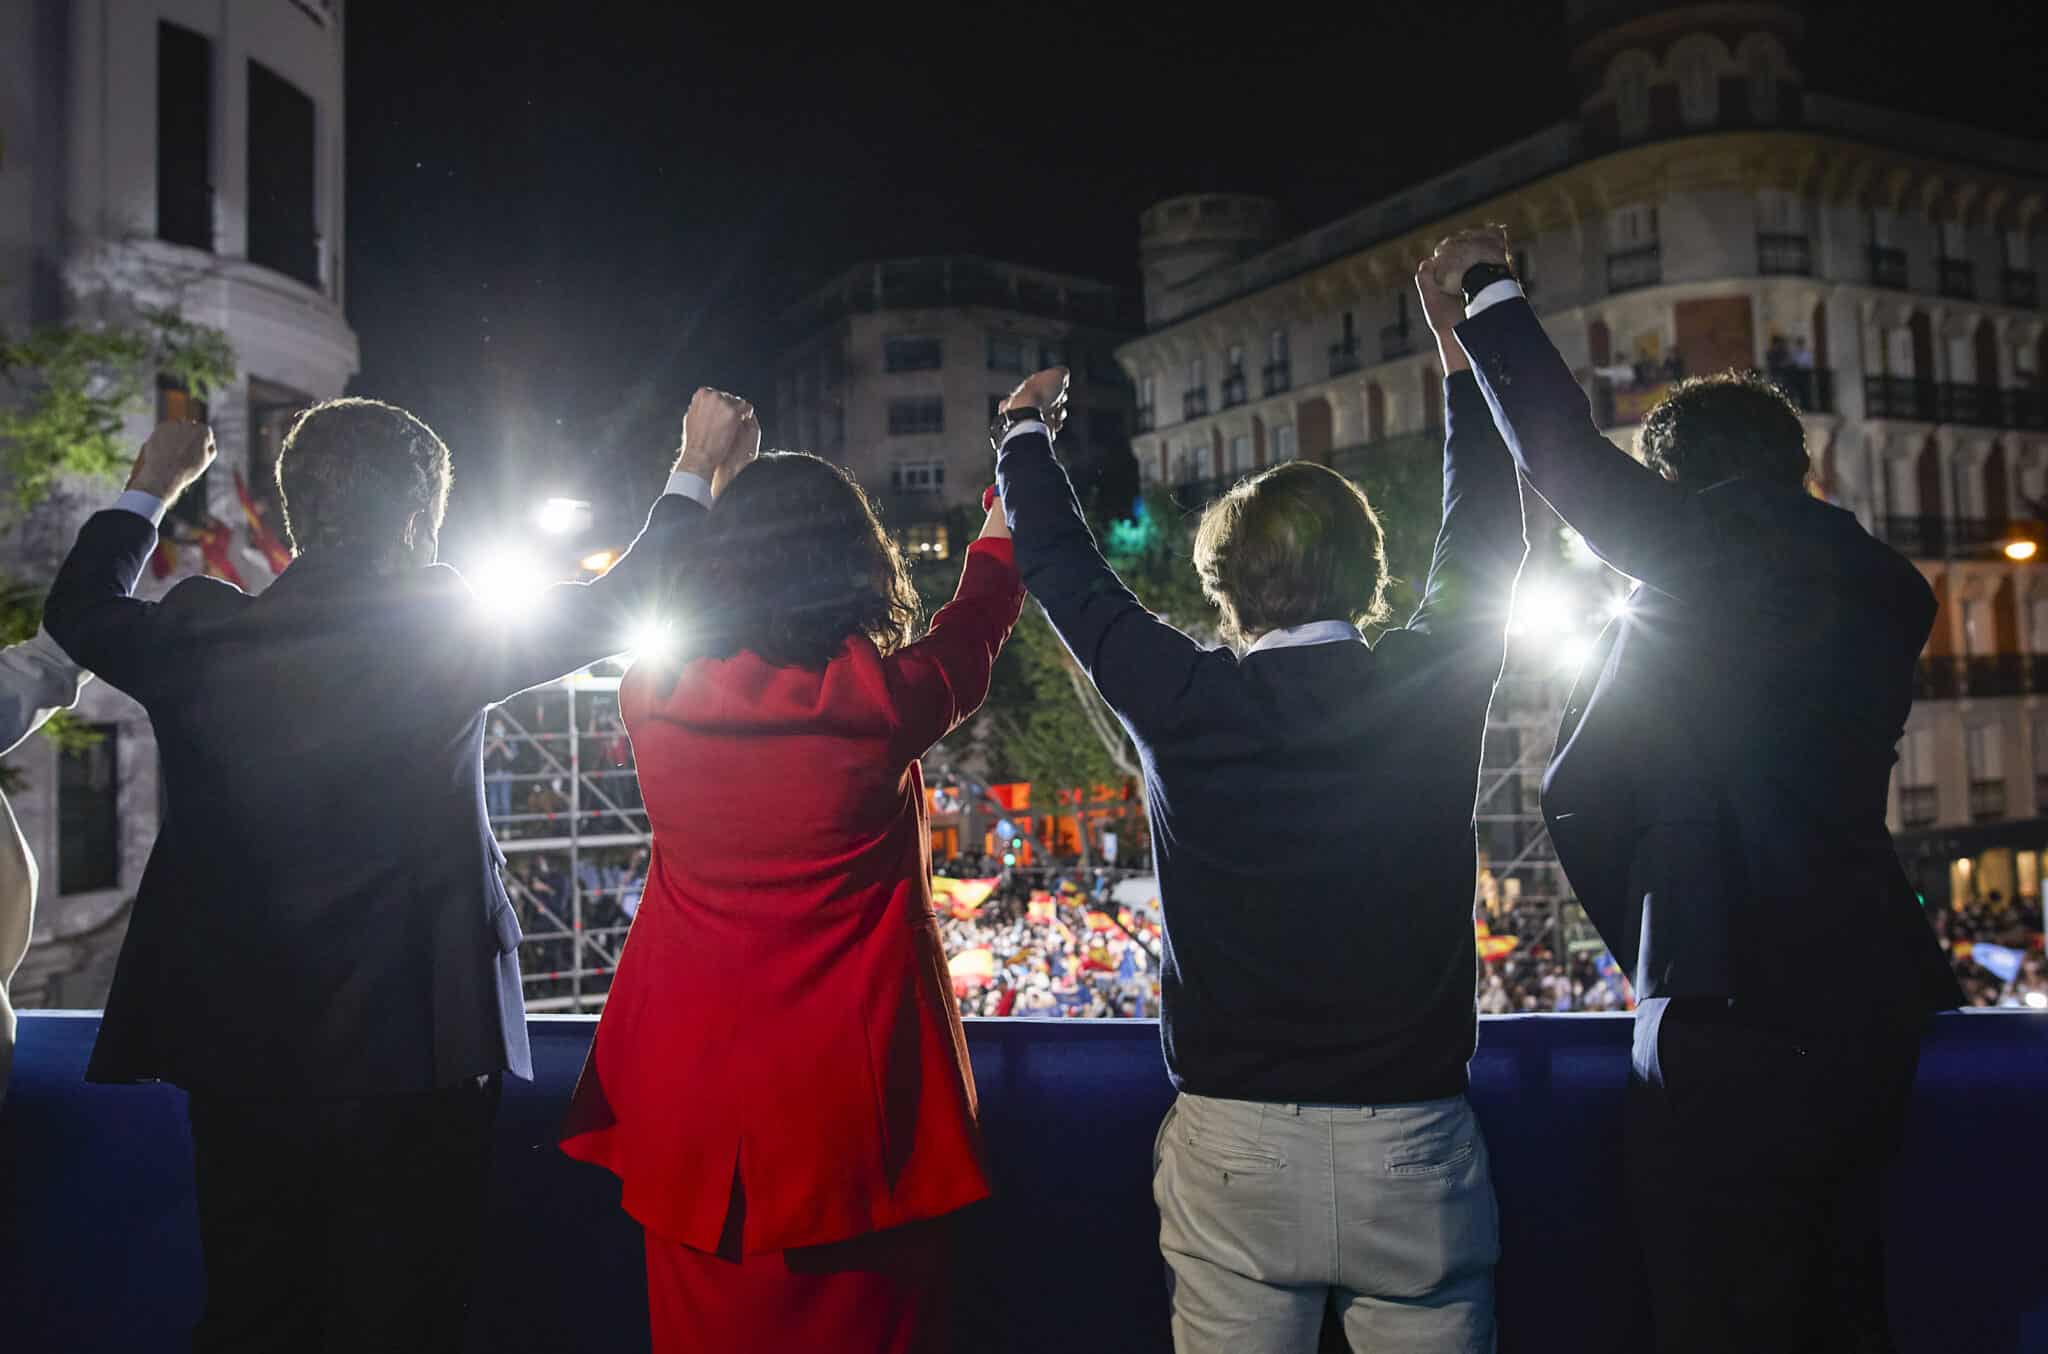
(1995, 943)
(1052, 944)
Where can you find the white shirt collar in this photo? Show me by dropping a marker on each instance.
(1315, 632)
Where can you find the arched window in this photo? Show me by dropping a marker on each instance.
(1629, 77)
(1696, 63)
(1763, 64)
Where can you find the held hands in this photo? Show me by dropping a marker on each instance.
(175, 455)
(720, 437)
(1046, 391)
(1439, 281)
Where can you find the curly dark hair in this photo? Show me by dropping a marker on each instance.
(1731, 425)
(1295, 544)
(352, 473)
(792, 563)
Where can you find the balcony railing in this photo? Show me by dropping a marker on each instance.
(1395, 341)
(1233, 390)
(1194, 403)
(1918, 805)
(2020, 287)
(1900, 397)
(1937, 679)
(1887, 267)
(1781, 254)
(1278, 377)
(1642, 266)
(1929, 536)
(1987, 800)
(1344, 359)
(2003, 674)
(1811, 388)
(1955, 277)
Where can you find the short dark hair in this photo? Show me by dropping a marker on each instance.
(1731, 425)
(1295, 544)
(352, 473)
(793, 562)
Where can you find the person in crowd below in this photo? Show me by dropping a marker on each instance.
(322, 952)
(1311, 801)
(780, 1077)
(1718, 801)
(36, 681)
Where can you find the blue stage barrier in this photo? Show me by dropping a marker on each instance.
(98, 1248)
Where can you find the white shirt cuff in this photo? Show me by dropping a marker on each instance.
(1492, 294)
(142, 505)
(689, 486)
(1029, 425)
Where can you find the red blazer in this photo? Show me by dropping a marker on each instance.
(782, 1012)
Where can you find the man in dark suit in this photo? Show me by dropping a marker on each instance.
(1310, 797)
(1718, 800)
(322, 952)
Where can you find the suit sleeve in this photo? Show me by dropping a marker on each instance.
(1139, 663)
(1630, 516)
(938, 682)
(572, 625)
(1482, 542)
(90, 612)
(37, 679)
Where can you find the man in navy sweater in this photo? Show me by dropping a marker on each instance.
(1311, 800)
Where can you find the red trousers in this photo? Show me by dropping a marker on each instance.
(882, 1293)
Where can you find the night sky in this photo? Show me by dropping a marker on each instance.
(563, 218)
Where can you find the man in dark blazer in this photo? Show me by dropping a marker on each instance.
(1310, 797)
(1717, 798)
(322, 951)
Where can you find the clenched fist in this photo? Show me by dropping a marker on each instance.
(1457, 253)
(1045, 391)
(720, 436)
(175, 455)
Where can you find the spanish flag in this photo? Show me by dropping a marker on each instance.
(260, 535)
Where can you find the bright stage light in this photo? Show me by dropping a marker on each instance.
(600, 561)
(1573, 653)
(652, 641)
(505, 582)
(1617, 606)
(1541, 612)
(2020, 550)
(559, 515)
(2037, 1000)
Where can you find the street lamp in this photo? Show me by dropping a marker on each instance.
(2018, 550)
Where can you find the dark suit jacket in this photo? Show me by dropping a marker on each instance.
(1311, 807)
(323, 912)
(1718, 792)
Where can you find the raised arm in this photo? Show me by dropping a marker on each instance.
(572, 625)
(90, 612)
(1630, 516)
(1482, 542)
(1138, 662)
(943, 678)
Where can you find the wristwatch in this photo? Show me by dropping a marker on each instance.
(1007, 419)
(1480, 276)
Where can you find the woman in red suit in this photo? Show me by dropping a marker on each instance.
(780, 1079)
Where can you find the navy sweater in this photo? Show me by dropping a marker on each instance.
(1311, 807)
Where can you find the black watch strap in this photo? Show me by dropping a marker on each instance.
(1010, 418)
(1480, 276)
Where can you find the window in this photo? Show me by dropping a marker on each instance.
(1276, 346)
(1191, 462)
(175, 404)
(1282, 443)
(1977, 628)
(1350, 331)
(1005, 352)
(1105, 427)
(922, 542)
(1882, 228)
(1633, 226)
(184, 137)
(907, 353)
(1696, 64)
(1235, 361)
(1196, 379)
(913, 417)
(1240, 455)
(1761, 61)
(89, 814)
(1984, 745)
(1145, 393)
(1780, 212)
(1630, 77)
(2037, 629)
(283, 229)
(1918, 793)
(918, 477)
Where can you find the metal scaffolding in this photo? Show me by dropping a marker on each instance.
(565, 804)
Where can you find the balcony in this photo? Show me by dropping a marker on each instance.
(1900, 397)
(1937, 679)
(1233, 390)
(1396, 340)
(1344, 359)
(1194, 403)
(1812, 389)
(1917, 806)
(1642, 266)
(1956, 278)
(2003, 674)
(2020, 287)
(1278, 377)
(1887, 267)
(97, 1184)
(1987, 800)
(1778, 254)
(1937, 537)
